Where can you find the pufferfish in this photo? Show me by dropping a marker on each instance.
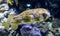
(33, 14)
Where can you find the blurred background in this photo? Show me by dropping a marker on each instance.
(18, 6)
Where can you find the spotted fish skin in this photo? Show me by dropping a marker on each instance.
(32, 14)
